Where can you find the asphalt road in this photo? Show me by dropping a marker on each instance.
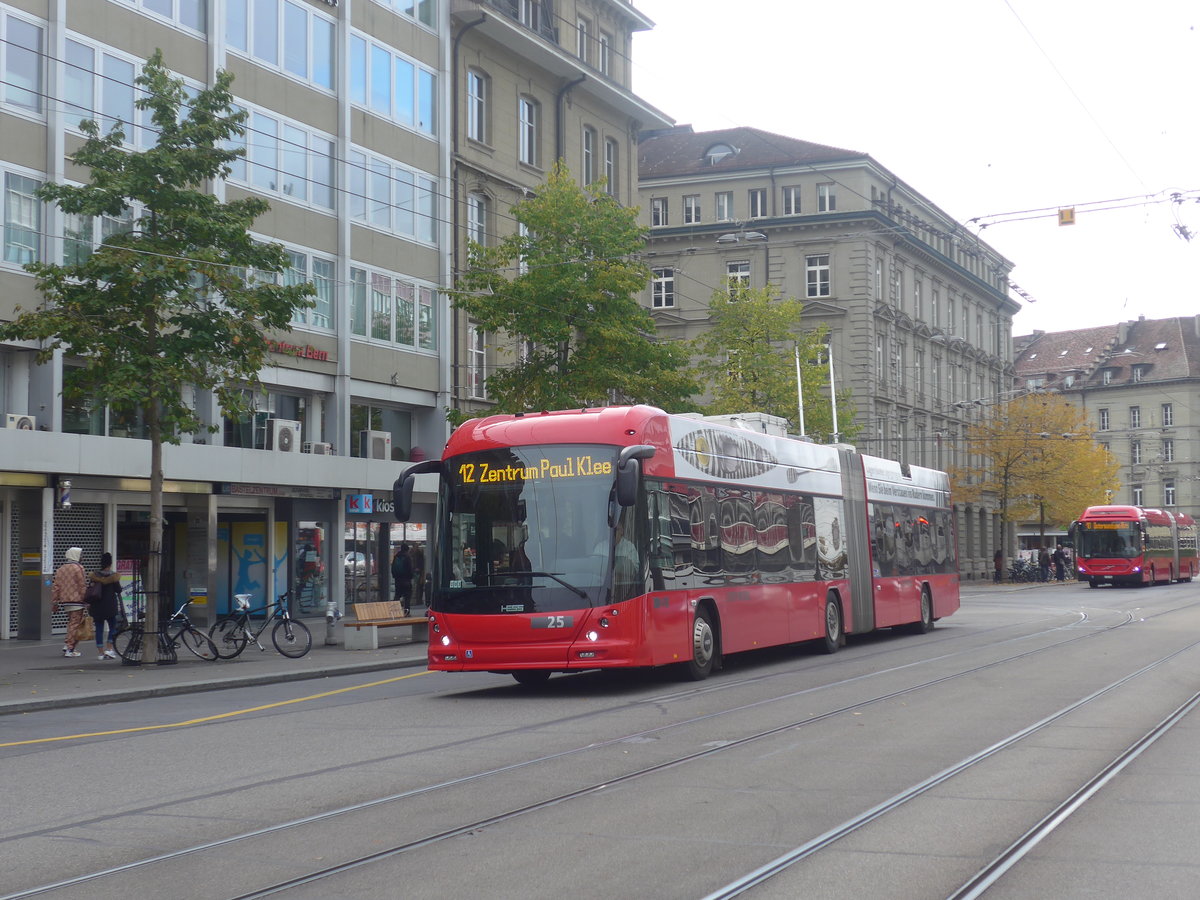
(900, 767)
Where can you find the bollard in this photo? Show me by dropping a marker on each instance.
(332, 614)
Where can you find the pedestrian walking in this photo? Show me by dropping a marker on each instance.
(998, 562)
(66, 595)
(1060, 564)
(1043, 565)
(104, 610)
(402, 576)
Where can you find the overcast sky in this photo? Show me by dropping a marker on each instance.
(986, 107)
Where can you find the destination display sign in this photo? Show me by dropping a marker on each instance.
(584, 465)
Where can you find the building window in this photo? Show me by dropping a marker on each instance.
(531, 14)
(816, 270)
(1168, 415)
(724, 206)
(583, 40)
(1168, 450)
(22, 219)
(880, 366)
(691, 209)
(589, 154)
(826, 198)
(604, 63)
(1135, 417)
(1106, 376)
(1139, 372)
(390, 309)
(1103, 415)
(476, 362)
(662, 288)
(791, 200)
(289, 37)
(758, 203)
(302, 268)
(386, 196)
(610, 165)
(1139, 495)
(477, 106)
(1168, 493)
(935, 378)
(287, 160)
(424, 11)
(935, 302)
(658, 212)
(392, 85)
(1135, 453)
(21, 63)
(737, 276)
(918, 300)
(718, 152)
(477, 215)
(528, 122)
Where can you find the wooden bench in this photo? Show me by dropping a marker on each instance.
(362, 633)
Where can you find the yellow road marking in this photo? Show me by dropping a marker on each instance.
(228, 715)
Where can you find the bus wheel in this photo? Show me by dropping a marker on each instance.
(833, 625)
(704, 647)
(1092, 582)
(925, 625)
(530, 677)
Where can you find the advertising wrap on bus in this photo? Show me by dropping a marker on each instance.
(627, 537)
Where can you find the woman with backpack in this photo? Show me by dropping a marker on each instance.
(104, 610)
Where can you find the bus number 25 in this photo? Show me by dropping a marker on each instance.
(552, 621)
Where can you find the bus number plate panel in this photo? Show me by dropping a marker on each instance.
(552, 621)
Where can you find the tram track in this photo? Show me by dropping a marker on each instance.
(489, 821)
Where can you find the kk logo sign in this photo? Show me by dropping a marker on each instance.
(360, 504)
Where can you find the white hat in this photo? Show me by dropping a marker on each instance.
(73, 554)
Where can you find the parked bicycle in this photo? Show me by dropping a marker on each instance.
(1022, 571)
(177, 631)
(232, 633)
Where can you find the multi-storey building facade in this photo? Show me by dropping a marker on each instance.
(346, 139)
(917, 307)
(382, 132)
(1139, 383)
(533, 83)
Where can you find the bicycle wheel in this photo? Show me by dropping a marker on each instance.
(199, 643)
(128, 644)
(291, 638)
(229, 637)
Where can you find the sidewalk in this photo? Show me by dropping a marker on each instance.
(35, 675)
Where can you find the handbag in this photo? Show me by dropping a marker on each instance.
(94, 593)
(87, 629)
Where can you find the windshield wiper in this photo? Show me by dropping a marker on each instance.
(523, 572)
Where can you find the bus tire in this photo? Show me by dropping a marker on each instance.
(531, 677)
(704, 647)
(925, 624)
(834, 636)
(1092, 583)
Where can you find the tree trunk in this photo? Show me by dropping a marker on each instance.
(153, 574)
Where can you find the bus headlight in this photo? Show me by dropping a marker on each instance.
(593, 636)
(445, 640)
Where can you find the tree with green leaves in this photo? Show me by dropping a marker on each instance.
(1038, 459)
(562, 288)
(166, 305)
(747, 359)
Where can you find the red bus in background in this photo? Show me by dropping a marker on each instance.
(1132, 545)
(627, 537)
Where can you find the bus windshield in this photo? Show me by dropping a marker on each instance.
(1108, 540)
(526, 529)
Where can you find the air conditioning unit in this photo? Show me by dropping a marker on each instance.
(320, 448)
(20, 422)
(376, 444)
(283, 435)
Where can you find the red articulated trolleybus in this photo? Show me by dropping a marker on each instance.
(626, 537)
(1132, 545)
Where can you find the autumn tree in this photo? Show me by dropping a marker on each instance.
(563, 288)
(1037, 457)
(165, 306)
(747, 361)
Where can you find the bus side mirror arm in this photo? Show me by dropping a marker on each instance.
(403, 488)
(629, 472)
